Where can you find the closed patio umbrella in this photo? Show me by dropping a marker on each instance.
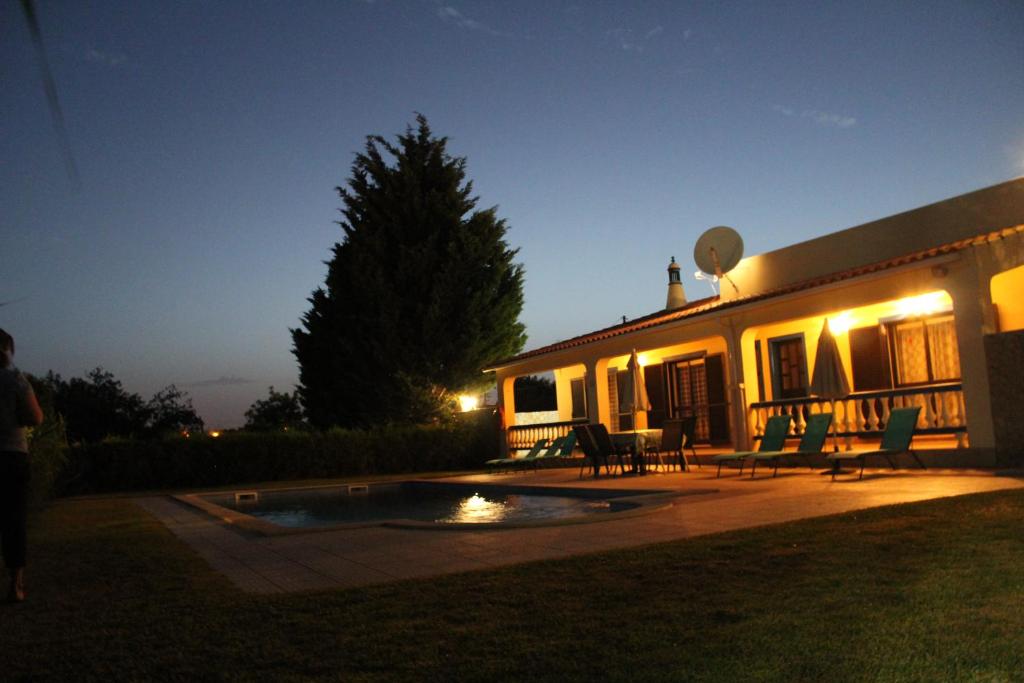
(829, 379)
(634, 398)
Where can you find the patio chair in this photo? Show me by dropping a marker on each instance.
(607, 447)
(498, 463)
(591, 453)
(899, 431)
(671, 444)
(690, 437)
(811, 443)
(773, 439)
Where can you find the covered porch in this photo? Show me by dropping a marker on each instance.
(912, 337)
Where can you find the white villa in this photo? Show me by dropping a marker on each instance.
(927, 308)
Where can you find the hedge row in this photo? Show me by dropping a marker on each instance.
(242, 457)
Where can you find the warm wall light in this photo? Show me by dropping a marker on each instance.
(925, 304)
(214, 433)
(841, 322)
(468, 402)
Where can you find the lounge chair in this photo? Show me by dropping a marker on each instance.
(811, 443)
(671, 445)
(559, 448)
(498, 463)
(773, 439)
(899, 431)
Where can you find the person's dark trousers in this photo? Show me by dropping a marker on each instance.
(14, 474)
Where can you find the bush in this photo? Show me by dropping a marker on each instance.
(47, 445)
(238, 457)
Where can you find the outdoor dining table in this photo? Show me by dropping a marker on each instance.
(637, 442)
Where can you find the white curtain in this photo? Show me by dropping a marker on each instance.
(911, 362)
(944, 352)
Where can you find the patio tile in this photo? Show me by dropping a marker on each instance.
(358, 557)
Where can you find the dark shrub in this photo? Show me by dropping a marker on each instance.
(47, 446)
(238, 457)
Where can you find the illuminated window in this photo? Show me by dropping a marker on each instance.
(905, 353)
(578, 389)
(789, 367)
(924, 350)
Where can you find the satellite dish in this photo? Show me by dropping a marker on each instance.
(718, 251)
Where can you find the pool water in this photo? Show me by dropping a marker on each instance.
(418, 501)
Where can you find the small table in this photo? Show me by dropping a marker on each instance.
(637, 442)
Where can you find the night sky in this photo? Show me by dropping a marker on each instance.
(209, 137)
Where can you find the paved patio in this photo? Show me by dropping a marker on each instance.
(360, 557)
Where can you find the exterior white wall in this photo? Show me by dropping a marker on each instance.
(966, 275)
(963, 217)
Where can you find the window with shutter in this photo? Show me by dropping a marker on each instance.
(578, 390)
(789, 367)
(869, 359)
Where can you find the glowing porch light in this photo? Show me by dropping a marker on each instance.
(924, 304)
(468, 402)
(214, 433)
(841, 323)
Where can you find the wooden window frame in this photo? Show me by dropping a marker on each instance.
(773, 363)
(889, 330)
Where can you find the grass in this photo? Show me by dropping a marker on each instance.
(921, 592)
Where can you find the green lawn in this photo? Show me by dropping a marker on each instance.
(930, 591)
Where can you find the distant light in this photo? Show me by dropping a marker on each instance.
(214, 433)
(469, 402)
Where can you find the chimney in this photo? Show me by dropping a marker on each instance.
(676, 295)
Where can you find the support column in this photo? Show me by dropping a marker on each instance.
(736, 386)
(974, 317)
(507, 406)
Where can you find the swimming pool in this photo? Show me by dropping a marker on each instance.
(420, 504)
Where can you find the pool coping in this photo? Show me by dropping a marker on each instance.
(645, 501)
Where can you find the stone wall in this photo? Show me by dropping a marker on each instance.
(1005, 355)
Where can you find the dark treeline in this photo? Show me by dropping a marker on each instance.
(97, 407)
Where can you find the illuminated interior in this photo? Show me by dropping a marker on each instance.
(915, 338)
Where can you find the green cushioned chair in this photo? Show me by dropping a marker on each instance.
(811, 443)
(773, 439)
(559, 448)
(524, 461)
(899, 432)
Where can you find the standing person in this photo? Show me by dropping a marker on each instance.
(18, 409)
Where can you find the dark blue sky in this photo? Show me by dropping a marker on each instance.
(210, 135)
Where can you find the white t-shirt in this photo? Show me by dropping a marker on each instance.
(14, 400)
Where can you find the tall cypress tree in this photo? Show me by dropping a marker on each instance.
(421, 293)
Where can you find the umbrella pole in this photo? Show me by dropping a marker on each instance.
(835, 435)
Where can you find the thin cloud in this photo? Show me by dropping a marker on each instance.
(824, 118)
(224, 381)
(821, 118)
(450, 15)
(632, 41)
(626, 41)
(105, 58)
